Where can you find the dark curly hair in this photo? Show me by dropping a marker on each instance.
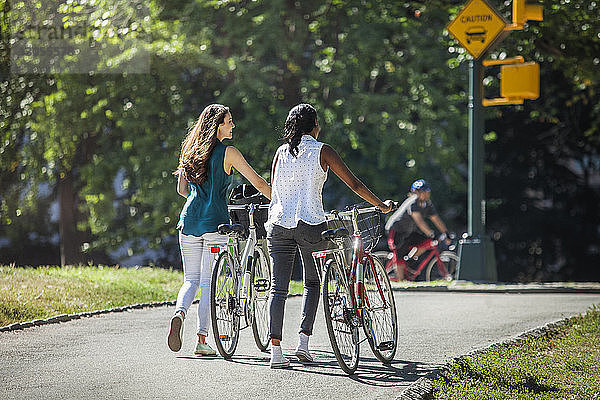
(300, 120)
(199, 143)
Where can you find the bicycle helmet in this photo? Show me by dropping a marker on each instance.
(420, 185)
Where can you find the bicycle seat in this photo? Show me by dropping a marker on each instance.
(225, 229)
(331, 234)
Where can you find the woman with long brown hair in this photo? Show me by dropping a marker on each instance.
(204, 174)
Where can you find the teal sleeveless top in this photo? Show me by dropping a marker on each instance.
(206, 205)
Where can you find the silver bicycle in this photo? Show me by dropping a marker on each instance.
(240, 285)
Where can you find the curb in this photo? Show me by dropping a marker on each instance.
(422, 389)
(70, 317)
(516, 289)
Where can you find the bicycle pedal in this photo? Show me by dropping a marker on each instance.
(261, 285)
(389, 345)
(224, 338)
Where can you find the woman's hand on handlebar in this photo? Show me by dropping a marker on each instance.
(388, 205)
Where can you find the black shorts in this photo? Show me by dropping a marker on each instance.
(406, 241)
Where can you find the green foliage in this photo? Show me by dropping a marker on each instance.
(561, 365)
(390, 87)
(382, 104)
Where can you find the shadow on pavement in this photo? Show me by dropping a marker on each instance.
(399, 372)
(370, 371)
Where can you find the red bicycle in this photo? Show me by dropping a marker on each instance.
(434, 264)
(356, 289)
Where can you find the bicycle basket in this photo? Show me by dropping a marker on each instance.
(247, 194)
(369, 225)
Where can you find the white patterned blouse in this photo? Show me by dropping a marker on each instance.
(297, 186)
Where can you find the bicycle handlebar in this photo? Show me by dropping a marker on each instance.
(333, 214)
(247, 206)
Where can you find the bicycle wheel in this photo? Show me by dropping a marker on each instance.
(342, 326)
(387, 258)
(224, 305)
(379, 313)
(433, 272)
(260, 286)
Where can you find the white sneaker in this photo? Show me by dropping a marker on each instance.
(278, 360)
(175, 332)
(302, 350)
(303, 355)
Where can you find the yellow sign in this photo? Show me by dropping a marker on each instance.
(477, 26)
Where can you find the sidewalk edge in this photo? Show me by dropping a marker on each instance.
(70, 317)
(446, 289)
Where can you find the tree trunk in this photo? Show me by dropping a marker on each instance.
(70, 238)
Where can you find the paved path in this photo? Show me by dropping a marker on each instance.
(124, 355)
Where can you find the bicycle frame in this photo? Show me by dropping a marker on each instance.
(243, 264)
(430, 246)
(354, 276)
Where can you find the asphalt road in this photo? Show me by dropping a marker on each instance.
(125, 356)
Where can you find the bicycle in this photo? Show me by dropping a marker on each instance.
(358, 293)
(240, 285)
(437, 263)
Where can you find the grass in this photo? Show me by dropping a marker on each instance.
(43, 292)
(564, 364)
(32, 293)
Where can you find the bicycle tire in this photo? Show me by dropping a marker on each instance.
(224, 305)
(450, 260)
(380, 321)
(260, 284)
(339, 318)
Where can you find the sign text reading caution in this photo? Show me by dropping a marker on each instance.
(469, 19)
(476, 27)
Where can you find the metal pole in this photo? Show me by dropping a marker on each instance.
(476, 151)
(477, 260)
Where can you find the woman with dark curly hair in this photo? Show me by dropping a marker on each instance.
(204, 174)
(296, 220)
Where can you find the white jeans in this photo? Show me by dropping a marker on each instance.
(197, 270)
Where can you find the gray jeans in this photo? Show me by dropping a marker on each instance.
(282, 244)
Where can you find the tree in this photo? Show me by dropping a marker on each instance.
(544, 158)
(389, 85)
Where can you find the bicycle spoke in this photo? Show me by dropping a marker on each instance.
(340, 318)
(446, 270)
(225, 319)
(261, 282)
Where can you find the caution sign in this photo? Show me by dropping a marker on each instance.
(477, 26)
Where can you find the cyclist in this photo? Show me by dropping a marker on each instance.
(408, 228)
(296, 220)
(205, 167)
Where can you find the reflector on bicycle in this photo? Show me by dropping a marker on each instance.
(215, 249)
(389, 345)
(320, 254)
(225, 338)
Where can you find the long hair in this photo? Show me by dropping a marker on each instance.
(301, 119)
(198, 145)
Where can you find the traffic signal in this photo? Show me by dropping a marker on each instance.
(523, 12)
(520, 81)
